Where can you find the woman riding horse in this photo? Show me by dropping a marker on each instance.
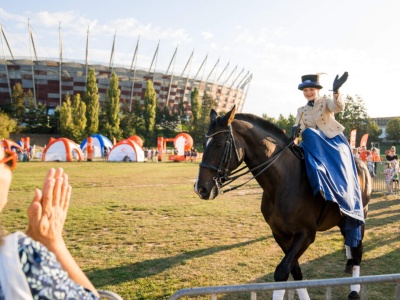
(329, 161)
(293, 208)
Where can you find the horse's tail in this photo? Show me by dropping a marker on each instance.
(365, 181)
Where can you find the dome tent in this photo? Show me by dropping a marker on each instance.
(183, 142)
(99, 141)
(137, 140)
(126, 150)
(9, 145)
(62, 149)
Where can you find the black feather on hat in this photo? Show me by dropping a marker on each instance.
(310, 81)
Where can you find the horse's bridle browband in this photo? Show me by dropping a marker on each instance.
(222, 169)
(223, 179)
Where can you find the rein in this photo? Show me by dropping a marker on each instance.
(222, 179)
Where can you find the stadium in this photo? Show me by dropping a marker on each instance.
(51, 80)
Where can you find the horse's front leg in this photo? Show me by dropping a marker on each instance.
(289, 264)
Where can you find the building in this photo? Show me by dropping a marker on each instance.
(51, 80)
(382, 122)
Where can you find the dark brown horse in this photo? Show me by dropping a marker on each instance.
(288, 204)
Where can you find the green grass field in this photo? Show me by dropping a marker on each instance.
(138, 229)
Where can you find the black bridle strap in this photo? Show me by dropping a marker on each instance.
(267, 164)
(225, 161)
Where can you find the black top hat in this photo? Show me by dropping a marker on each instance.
(310, 81)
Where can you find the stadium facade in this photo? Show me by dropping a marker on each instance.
(51, 80)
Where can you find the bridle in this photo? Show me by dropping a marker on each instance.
(222, 179)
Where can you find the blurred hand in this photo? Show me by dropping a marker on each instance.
(338, 82)
(48, 210)
(295, 131)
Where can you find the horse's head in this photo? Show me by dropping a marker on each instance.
(220, 156)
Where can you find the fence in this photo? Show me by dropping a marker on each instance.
(379, 182)
(290, 286)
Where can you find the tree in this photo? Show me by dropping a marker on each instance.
(198, 131)
(78, 118)
(196, 106)
(111, 127)
(66, 121)
(132, 123)
(7, 125)
(354, 116)
(270, 119)
(36, 118)
(150, 104)
(393, 130)
(18, 102)
(286, 124)
(91, 100)
(373, 130)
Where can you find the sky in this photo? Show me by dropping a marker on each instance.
(275, 41)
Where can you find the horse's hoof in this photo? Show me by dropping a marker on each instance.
(353, 295)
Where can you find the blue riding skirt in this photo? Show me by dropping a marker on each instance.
(332, 172)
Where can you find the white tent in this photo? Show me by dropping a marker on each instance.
(99, 142)
(62, 149)
(126, 150)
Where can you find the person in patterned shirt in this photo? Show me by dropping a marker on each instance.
(37, 264)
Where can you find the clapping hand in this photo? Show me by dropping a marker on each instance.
(338, 82)
(48, 210)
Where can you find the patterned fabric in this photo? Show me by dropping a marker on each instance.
(45, 276)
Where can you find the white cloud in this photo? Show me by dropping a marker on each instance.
(207, 35)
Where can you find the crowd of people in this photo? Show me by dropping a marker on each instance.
(191, 155)
(391, 166)
(151, 154)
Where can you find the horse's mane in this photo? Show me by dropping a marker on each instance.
(262, 123)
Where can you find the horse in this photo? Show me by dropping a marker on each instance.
(288, 204)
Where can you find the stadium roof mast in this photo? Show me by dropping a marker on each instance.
(246, 85)
(60, 64)
(86, 56)
(32, 45)
(233, 71)
(226, 80)
(134, 61)
(240, 81)
(173, 59)
(223, 71)
(219, 77)
(201, 66)
(237, 77)
(189, 62)
(154, 58)
(231, 87)
(5, 60)
(111, 65)
(212, 70)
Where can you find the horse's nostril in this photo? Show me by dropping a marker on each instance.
(202, 190)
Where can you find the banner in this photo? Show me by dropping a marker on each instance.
(160, 147)
(89, 148)
(364, 140)
(353, 135)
